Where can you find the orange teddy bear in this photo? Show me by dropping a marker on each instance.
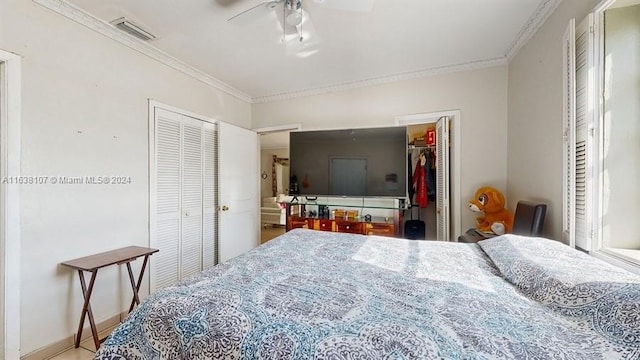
(496, 218)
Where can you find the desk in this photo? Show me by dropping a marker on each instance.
(95, 262)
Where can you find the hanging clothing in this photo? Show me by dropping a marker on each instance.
(431, 175)
(419, 181)
(409, 174)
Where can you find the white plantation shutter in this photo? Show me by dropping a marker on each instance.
(210, 198)
(165, 215)
(191, 256)
(183, 197)
(579, 122)
(442, 179)
(569, 103)
(583, 124)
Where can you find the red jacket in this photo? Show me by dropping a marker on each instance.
(420, 184)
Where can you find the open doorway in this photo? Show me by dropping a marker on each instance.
(274, 178)
(444, 216)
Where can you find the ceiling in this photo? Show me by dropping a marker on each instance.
(396, 39)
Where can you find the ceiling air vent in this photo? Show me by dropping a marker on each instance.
(133, 29)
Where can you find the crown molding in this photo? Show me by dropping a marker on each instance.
(82, 17)
(537, 19)
(474, 65)
(64, 8)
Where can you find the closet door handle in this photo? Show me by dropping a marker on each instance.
(225, 208)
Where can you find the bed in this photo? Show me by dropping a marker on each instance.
(319, 295)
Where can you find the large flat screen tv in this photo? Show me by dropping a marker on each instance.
(351, 162)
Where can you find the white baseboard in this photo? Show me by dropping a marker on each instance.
(51, 350)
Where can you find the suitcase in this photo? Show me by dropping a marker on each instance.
(414, 229)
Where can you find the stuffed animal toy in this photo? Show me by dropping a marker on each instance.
(496, 218)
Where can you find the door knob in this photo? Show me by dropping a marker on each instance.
(225, 208)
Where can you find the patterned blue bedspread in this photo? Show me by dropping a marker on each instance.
(321, 295)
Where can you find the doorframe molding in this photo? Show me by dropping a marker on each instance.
(267, 130)
(455, 170)
(278, 128)
(10, 119)
(157, 104)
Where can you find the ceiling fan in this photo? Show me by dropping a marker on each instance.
(295, 21)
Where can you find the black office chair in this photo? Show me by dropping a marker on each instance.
(528, 220)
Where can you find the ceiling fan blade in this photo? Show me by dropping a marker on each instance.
(269, 5)
(348, 5)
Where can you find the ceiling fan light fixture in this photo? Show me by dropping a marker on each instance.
(294, 19)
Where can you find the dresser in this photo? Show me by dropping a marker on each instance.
(384, 226)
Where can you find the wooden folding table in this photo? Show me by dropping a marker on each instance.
(95, 262)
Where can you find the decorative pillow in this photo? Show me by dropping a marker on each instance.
(572, 283)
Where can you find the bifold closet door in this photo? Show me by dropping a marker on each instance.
(165, 198)
(183, 197)
(443, 225)
(191, 194)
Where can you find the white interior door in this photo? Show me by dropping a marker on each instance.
(443, 225)
(239, 191)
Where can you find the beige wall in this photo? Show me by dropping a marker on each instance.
(84, 113)
(480, 95)
(534, 162)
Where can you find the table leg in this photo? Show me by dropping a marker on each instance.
(86, 309)
(136, 289)
(133, 284)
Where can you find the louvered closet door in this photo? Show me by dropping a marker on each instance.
(442, 180)
(192, 163)
(210, 195)
(183, 199)
(165, 199)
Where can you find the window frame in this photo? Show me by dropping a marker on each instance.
(595, 194)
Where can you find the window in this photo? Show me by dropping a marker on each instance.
(602, 132)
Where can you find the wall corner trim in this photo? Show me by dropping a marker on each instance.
(535, 22)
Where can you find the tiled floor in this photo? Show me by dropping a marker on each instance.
(87, 348)
(271, 231)
(75, 354)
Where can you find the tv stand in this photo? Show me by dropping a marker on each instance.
(299, 217)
